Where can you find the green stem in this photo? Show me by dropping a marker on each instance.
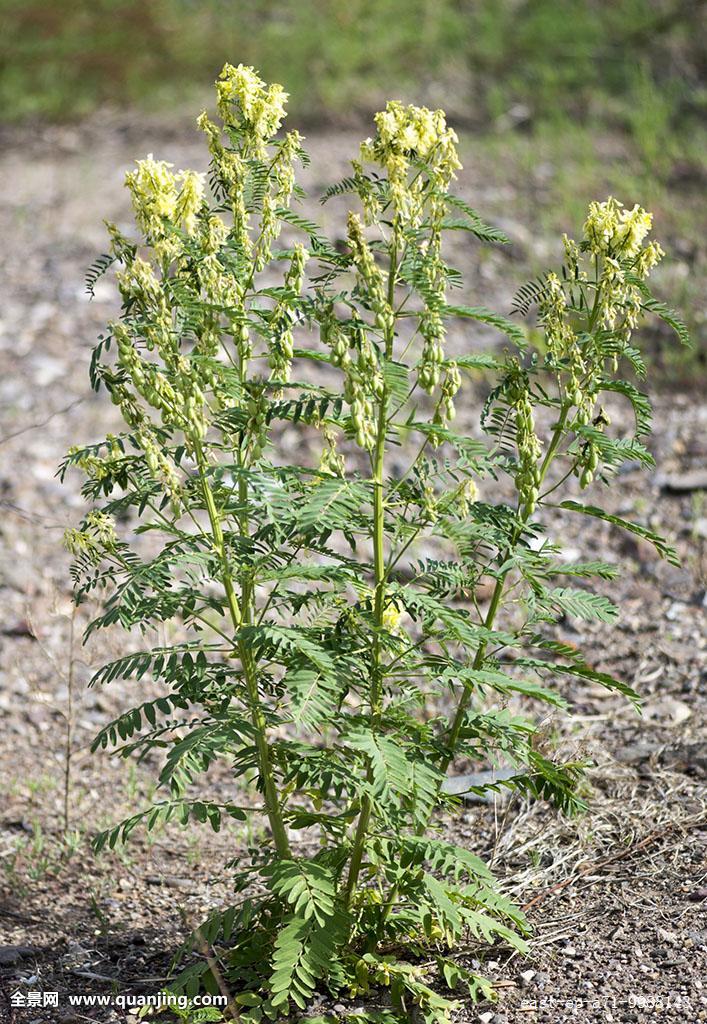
(497, 594)
(380, 575)
(241, 616)
(495, 604)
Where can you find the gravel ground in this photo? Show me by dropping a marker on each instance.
(617, 897)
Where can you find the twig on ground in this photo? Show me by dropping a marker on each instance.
(41, 423)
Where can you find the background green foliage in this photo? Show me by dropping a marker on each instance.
(556, 57)
(610, 97)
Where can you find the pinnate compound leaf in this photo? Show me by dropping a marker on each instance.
(664, 549)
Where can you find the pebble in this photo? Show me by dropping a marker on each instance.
(692, 480)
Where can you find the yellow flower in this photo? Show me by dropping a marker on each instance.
(259, 109)
(612, 229)
(633, 227)
(189, 199)
(391, 618)
(159, 201)
(406, 134)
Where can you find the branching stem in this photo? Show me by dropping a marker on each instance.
(239, 619)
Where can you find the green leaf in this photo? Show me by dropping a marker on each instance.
(664, 549)
(487, 316)
(582, 671)
(481, 679)
(309, 887)
(671, 318)
(331, 504)
(474, 223)
(580, 604)
(640, 402)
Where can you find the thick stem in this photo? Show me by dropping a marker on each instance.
(240, 615)
(376, 668)
(380, 575)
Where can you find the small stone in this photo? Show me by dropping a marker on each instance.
(668, 711)
(12, 954)
(526, 977)
(486, 1018)
(692, 480)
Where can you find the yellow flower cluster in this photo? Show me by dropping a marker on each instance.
(247, 103)
(252, 113)
(98, 535)
(163, 200)
(614, 248)
(407, 134)
(616, 234)
(613, 230)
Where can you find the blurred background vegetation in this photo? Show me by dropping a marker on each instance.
(609, 95)
(554, 57)
(636, 62)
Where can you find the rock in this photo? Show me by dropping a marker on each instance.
(13, 954)
(676, 611)
(667, 711)
(680, 483)
(699, 528)
(526, 977)
(636, 753)
(690, 758)
(20, 628)
(460, 785)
